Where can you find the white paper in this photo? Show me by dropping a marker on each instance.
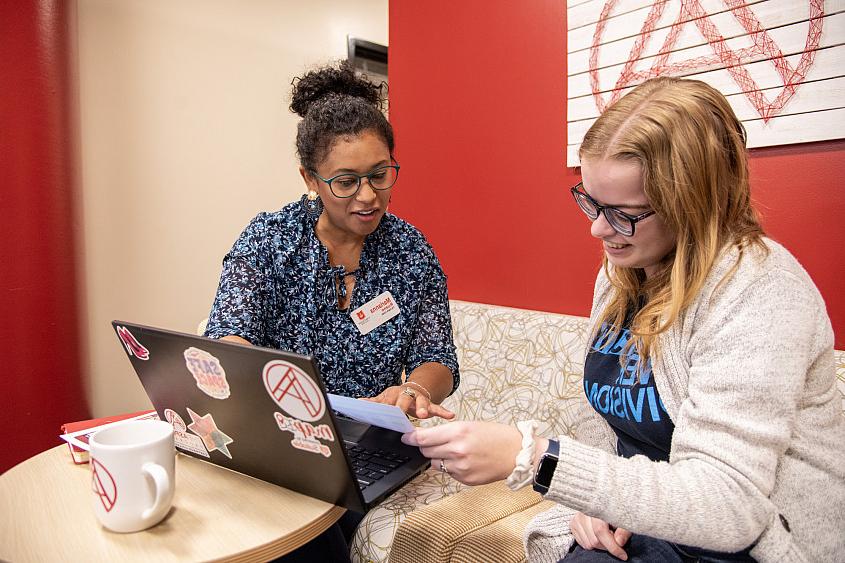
(377, 414)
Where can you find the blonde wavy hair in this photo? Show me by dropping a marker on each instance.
(691, 149)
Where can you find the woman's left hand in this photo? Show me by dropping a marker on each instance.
(413, 401)
(595, 533)
(472, 452)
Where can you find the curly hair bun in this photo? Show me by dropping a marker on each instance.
(339, 80)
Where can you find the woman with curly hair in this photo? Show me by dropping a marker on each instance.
(713, 428)
(294, 278)
(298, 279)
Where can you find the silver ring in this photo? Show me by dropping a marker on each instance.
(443, 466)
(409, 392)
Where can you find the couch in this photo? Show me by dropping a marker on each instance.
(515, 365)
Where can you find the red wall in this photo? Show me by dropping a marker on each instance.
(40, 382)
(478, 100)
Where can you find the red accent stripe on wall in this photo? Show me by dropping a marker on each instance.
(40, 383)
(478, 100)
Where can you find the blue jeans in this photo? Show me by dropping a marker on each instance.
(645, 549)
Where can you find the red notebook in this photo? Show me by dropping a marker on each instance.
(80, 455)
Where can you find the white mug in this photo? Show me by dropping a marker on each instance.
(133, 471)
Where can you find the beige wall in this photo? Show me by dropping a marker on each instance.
(185, 135)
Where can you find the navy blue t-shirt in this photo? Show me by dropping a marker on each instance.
(628, 401)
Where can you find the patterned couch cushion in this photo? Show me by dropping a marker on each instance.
(515, 365)
(840, 374)
(454, 529)
(375, 533)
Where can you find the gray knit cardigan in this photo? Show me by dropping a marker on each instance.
(758, 453)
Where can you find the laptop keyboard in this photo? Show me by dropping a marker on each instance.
(371, 465)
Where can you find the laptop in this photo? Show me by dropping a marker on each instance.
(265, 413)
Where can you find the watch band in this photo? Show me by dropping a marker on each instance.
(546, 468)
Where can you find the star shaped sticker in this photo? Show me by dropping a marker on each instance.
(212, 437)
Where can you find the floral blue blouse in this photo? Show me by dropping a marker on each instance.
(277, 290)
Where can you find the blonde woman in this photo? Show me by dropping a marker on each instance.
(713, 428)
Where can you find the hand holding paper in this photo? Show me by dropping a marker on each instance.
(377, 414)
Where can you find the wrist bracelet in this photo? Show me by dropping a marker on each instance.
(523, 472)
(423, 389)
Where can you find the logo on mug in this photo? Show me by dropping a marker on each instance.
(103, 485)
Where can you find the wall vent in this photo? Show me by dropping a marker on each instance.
(368, 58)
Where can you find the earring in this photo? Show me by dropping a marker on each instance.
(313, 204)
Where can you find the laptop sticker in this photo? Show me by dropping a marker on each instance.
(209, 374)
(205, 427)
(375, 312)
(133, 347)
(183, 440)
(306, 436)
(293, 390)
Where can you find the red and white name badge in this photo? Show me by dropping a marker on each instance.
(375, 313)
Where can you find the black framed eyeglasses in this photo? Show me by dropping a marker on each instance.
(347, 184)
(623, 223)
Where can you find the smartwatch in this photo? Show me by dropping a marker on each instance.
(546, 468)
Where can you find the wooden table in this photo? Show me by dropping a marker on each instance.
(46, 514)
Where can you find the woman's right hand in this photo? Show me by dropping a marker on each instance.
(592, 533)
(473, 452)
